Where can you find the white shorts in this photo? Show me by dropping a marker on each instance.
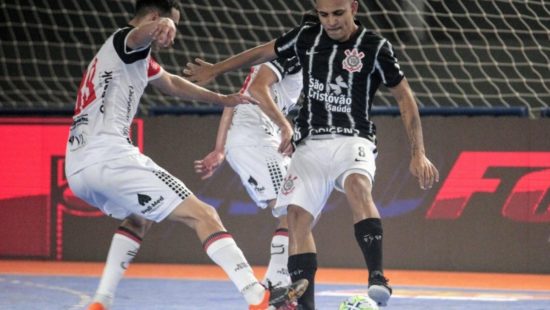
(129, 185)
(261, 170)
(318, 166)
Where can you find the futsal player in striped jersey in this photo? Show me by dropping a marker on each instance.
(250, 137)
(343, 66)
(104, 169)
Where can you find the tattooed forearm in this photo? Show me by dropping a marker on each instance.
(415, 136)
(411, 119)
(410, 116)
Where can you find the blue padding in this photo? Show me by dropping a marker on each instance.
(377, 111)
(181, 110)
(545, 112)
(37, 112)
(446, 111)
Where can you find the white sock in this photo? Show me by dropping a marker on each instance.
(124, 248)
(277, 270)
(223, 250)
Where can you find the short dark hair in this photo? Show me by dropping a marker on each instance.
(163, 6)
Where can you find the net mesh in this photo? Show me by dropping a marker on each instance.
(469, 53)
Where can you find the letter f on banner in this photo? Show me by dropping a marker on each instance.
(466, 178)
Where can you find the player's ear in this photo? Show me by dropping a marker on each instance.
(354, 7)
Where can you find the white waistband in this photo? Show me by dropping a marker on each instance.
(325, 136)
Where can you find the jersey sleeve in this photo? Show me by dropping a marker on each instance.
(277, 66)
(388, 65)
(292, 66)
(284, 45)
(154, 70)
(126, 54)
(283, 67)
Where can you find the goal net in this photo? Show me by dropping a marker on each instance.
(455, 54)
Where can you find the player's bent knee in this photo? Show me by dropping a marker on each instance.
(192, 211)
(208, 214)
(356, 182)
(137, 224)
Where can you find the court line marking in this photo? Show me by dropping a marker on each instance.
(84, 299)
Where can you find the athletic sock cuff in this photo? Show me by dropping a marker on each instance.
(281, 232)
(123, 231)
(368, 226)
(301, 261)
(216, 241)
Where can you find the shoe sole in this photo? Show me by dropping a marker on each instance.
(379, 294)
(298, 290)
(294, 293)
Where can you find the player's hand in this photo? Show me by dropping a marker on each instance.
(200, 72)
(165, 32)
(286, 147)
(423, 169)
(236, 99)
(209, 164)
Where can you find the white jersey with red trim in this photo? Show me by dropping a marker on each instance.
(252, 127)
(107, 102)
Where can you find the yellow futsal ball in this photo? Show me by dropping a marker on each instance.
(358, 303)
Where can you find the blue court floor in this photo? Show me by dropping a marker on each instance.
(25, 292)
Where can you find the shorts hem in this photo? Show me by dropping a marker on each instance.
(340, 187)
(174, 203)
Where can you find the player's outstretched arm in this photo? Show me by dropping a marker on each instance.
(202, 72)
(420, 166)
(177, 86)
(260, 89)
(211, 162)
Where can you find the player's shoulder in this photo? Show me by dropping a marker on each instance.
(123, 51)
(122, 32)
(308, 33)
(372, 40)
(371, 36)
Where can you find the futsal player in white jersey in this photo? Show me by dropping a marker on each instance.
(255, 139)
(104, 169)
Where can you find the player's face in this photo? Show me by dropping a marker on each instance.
(337, 17)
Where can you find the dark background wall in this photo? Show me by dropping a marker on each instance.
(482, 237)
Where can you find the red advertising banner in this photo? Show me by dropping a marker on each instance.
(489, 212)
(34, 195)
(524, 204)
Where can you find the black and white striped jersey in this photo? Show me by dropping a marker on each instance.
(340, 79)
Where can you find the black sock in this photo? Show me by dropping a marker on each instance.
(304, 266)
(368, 234)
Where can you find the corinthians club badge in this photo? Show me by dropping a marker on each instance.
(288, 184)
(352, 62)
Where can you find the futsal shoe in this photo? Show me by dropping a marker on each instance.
(101, 302)
(379, 289)
(282, 298)
(96, 306)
